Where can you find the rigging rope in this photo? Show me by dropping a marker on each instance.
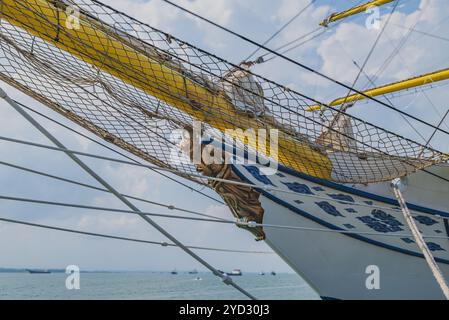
(96, 208)
(237, 222)
(443, 118)
(101, 235)
(85, 185)
(295, 46)
(172, 207)
(413, 29)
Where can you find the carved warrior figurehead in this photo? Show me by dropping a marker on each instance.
(242, 200)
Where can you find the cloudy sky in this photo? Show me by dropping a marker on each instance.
(333, 53)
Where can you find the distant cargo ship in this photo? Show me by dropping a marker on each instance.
(38, 271)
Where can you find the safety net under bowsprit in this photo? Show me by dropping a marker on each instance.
(135, 85)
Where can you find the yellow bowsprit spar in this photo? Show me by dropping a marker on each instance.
(47, 20)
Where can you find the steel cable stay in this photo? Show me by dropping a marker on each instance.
(313, 35)
(112, 210)
(396, 50)
(172, 207)
(86, 185)
(389, 100)
(102, 235)
(371, 81)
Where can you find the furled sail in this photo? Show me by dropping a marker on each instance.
(134, 85)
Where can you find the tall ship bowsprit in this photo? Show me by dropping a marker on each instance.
(346, 194)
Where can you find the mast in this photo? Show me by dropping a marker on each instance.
(353, 11)
(390, 88)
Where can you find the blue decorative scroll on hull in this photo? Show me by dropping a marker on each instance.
(336, 264)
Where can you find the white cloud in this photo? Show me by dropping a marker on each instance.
(353, 41)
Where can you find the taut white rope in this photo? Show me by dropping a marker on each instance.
(419, 239)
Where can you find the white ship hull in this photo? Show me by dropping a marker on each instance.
(335, 264)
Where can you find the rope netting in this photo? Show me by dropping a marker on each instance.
(135, 85)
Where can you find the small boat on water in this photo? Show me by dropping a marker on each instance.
(38, 271)
(174, 271)
(261, 273)
(273, 273)
(194, 271)
(235, 272)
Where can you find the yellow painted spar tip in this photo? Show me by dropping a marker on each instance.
(314, 108)
(324, 23)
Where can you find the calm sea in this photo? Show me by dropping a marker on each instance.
(148, 285)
